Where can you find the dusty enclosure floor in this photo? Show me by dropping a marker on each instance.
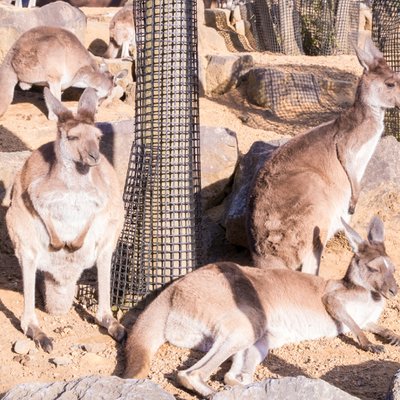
(338, 361)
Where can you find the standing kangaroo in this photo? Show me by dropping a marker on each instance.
(56, 58)
(122, 33)
(299, 195)
(242, 312)
(65, 216)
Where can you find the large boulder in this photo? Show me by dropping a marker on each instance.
(90, 388)
(293, 388)
(224, 71)
(14, 21)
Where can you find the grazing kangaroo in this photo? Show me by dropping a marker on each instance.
(65, 216)
(56, 58)
(300, 194)
(241, 312)
(122, 33)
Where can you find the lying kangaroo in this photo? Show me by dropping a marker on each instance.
(65, 216)
(122, 33)
(56, 58)
(227, 310)
(300, 194)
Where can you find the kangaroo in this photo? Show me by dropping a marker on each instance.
(252, 308)
(65, 216)
(56, 58)
(299, 195)
(122, 33)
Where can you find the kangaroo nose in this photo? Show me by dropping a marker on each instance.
(94, 156)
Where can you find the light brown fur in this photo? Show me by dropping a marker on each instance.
(53, 57)
(122, 33)
(65, 216)
(241, 312)
(300, 194)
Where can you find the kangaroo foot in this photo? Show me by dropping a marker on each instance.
(192, 381)
(40, 338)
(114, 328)
(373, 348)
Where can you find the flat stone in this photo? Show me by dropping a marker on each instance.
(90, 388)
(293, 388)
(61, 361)
(23, 346)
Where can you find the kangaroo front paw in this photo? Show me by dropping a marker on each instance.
(44, 342)
(74, 245)
(352, 209)
(56, 245)
(394, 340)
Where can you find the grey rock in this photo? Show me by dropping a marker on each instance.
(90, 388)
(224, 71)
(61, 361)
(278, 91)
(23, 346)
(384, 165)
(394, 389)
(296, 388)
(14, 21)
(219, 156)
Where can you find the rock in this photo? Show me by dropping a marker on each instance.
(293, 388)
(14, 21)
(250, 163)
(224, 71)
(285, 94)
(90, 388)
(23, 346)
(61, 361)
(219, 156)
(394, 389)
(94, 347)
(384, 165)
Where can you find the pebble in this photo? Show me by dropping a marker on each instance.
(22, 346)
(94, 347)
(60, 361)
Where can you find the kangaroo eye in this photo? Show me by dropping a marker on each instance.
(390, 84)
(372, 269)
(72, 138)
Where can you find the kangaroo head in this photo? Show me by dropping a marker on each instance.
(380, 84)
(371, 267)
(106, 89)
(78, 137)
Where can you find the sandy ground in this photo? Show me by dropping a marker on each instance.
(338, 361)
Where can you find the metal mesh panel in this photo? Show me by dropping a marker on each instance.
(386, 35)
(161, 239)
(312, 27)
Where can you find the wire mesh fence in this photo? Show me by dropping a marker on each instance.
(386, 35)
(312, 27)
(161, 239)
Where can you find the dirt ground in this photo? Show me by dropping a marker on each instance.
(89, 350)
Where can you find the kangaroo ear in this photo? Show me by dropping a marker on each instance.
(369, 57)
(376, 230)
(56, 106)
(88, 103)
(353, 237)
(121, 75)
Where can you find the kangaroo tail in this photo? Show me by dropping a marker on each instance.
(146, 336)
